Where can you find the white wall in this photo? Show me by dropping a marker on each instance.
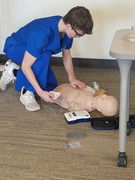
(108, 15)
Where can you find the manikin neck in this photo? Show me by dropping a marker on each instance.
(97, 101)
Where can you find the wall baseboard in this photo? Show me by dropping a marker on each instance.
(80, 62)
(88, 62)
(3, 59)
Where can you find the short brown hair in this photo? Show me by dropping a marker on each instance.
(80, 18)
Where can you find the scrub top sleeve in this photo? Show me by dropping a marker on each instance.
(36, 43)
(69, 44)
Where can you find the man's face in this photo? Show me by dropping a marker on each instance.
(72, 32)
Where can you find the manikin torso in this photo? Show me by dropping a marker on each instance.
(75, 99)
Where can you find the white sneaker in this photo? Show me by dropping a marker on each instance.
(7, 75)
(28, 100)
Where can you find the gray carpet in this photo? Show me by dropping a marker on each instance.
(35, 145)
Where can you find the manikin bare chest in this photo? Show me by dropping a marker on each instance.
(74, 99)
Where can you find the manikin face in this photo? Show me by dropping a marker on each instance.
(107, 105)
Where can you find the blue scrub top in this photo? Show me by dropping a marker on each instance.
(41, 35)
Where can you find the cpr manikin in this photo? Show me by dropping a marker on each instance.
(90, 99)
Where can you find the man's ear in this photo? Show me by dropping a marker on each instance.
(68, 26)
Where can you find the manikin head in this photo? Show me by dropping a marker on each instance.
(107, 105)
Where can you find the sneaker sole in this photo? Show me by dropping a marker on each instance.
(32, 110)
(3, 89)
(5, 67)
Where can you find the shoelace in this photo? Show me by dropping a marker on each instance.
(29, 98)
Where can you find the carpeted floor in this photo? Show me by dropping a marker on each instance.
(35, 145)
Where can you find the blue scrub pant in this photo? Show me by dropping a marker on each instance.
(41, 68)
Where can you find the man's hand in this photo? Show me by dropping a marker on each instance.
(46, 96)
(77, 83)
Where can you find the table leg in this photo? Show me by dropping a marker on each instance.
(124, 66)
(129, 128)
